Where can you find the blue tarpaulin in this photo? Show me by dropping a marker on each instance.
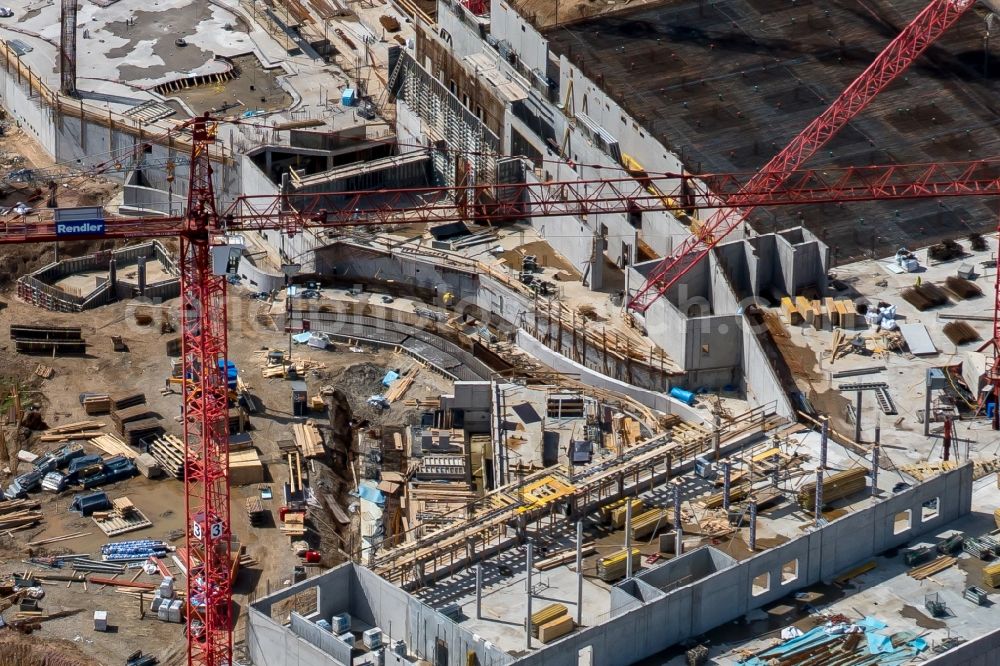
(877, 643)
(871, 624)
(302, 338)
(390, 377)
(373, 495)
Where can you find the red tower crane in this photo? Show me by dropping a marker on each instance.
(203, 288)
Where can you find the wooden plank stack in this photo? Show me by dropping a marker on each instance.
(737, 492)
(612, 567)
(991, 574)
(135, 431)
(98, 403)
(114, 446)
(169, 452)
(71, 431)
(126, 399)
(547, 614)
(399, 387)
(825, 314)
(308, 439)
(615, 511)
(940, 564)
(836, 486)
(648, 523)
(134, 413)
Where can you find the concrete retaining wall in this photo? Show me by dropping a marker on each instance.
(371, 601)
(559, 363)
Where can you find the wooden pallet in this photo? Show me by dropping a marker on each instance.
(124, 518)
(169, 452)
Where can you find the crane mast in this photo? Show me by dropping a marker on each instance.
(206, 418)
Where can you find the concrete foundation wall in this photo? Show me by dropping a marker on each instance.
(761, 384)
(982, 651)
(652, 399)
(371, 601)
(729, 593)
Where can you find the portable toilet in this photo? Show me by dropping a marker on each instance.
(348, 97)
(300, 399)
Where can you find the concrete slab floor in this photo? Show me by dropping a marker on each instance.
(901, 434)
(888, 593)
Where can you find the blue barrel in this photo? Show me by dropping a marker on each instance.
(687, 397)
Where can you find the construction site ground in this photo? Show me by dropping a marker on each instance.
(807, 352)
(145, 368)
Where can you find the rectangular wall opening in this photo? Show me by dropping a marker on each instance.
(761, 584)
(790, 571)
(930, 509)
(902, 522)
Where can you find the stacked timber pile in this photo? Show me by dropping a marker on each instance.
(51, 340)
(72, 431)
(737, 493)
(16, 514)
(991, 574)
(120, 417)
(648, 523)
(308, 439)
(614, 512)
(126, 399)
(136, 431)
(114, 446)
(564, 556)
(96, 403)
(826, 314)
(551, 622)
(400, 386)
(613, 567)
(836, 486)
(931, 568)
(169, 452)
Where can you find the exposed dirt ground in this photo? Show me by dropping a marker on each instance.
(17, 151)
(145, 367)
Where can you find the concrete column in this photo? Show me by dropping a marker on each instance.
(727, 472)
(579, 572)
(113, 278)
(753, 525)
(927, 407)
(824, 439)
(531, 563)
(857, 417)
(717, 437)
(875, 460)
(479, 591)
(628, 538)
(678, 530)
(818, 509)
(140, 269)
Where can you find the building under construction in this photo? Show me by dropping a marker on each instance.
(786, 455)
